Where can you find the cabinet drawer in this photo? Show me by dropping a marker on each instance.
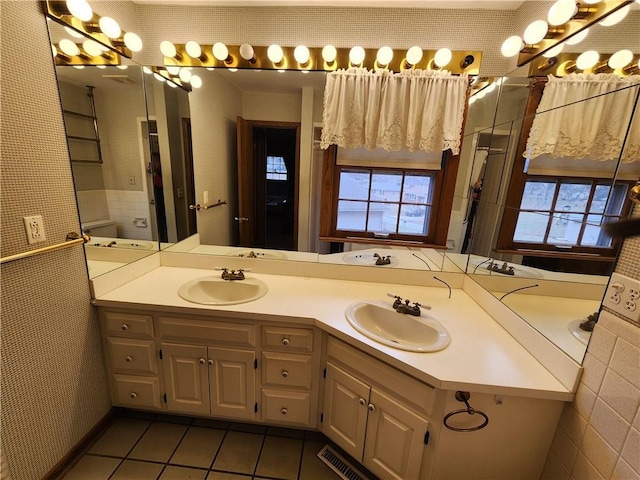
(286, 369)
(285, 406)
(227, 333)
(132, 356)
(128, 324)
(285, 338)
(132, 391)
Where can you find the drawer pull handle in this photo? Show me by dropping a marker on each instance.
(285, 374)
(285, 341)
(124, 327)
(284, 411)
(202, 361)
(362, 402)
(372, 407)
(210, 362)
(133, 394)
(128, 358)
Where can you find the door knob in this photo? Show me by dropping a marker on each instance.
(241, 219)
(372, 407)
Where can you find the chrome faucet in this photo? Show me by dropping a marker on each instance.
(403, 306)
(111, 243)
(382, 260)
(505, 269)
(233, 274)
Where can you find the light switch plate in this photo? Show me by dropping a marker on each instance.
(623, 296)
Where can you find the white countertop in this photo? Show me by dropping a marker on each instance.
(482, 357)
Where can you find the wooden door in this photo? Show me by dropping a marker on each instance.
(345, 411)
(246, 183)
(186, 378)
(395, 439)
(232, 379)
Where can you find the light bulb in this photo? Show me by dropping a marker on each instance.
(329, 53)
(554, 52)
(168, 49)
(301, 54)
(110, 27)
(122, 67)
(68, 47)
(356, 55)
(147, 70)
(275, 54)
(615, 17)
(511, 46)
(92, 48)
(171, 84)
(78, 67)
(414, 55)
(193, 49)
(54, 50)
(159, 77)
(442, 57)
(561, 12)
(578, 37)
(80, 9)
(185, 75)
(384, 56)
(233, 70)
(196, 81)
(173, 70)
(101, 67)
(133, 41)
(592, 2)
(246, 51)
(587, 59)
(535, 32)
(73, 33)
(220, 51)
(281, 71)
(620, 59)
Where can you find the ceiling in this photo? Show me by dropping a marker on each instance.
(449, 4)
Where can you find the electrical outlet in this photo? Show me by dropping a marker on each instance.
(622, 296)
(34, 227)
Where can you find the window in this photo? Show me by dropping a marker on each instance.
(276, 168)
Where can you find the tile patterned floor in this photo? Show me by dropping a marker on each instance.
(142, 446)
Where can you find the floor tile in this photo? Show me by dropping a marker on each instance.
(312, 467)
(120, 437)
(182, 473)
(93, 468)
(174, 419)
(159, 442)
(227, 476)
(198, 447)
(315, 435)
(280, 457)
(285, 432)
(210, 423)
(134, 470)
(239, 452)
(247, 427)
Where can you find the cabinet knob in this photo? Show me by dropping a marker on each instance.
(362, 402)
(202, 361)
(285, 341)
(285, 374)
(284, 411)
(133, 394)
(210, 362)
(372, 407)
(124, 326)
(128, 358)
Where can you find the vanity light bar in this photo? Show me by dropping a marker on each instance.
(461, 61)
(587, 15)
(566, 63)
(107, 58)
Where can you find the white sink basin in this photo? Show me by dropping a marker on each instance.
(213, 290)
(253, 253)
(382, 323)
(367, 258)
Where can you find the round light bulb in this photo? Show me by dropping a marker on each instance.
(78, 67)
(110, 27)
(356, 55)
(196, 81)
(185, 75)
(171, 84)
(301, 54)
(615, 17)
(193, 49)
(220, 51)
(173, 70)
(233, 70)
(275, 54)
(329, 53)
(281, 71)
(561, 12)
(414, 55)
(147, 70)
(246, 51)
(442, 57)
(578, 37)
(384, 56)
(620, 59)
(54, 50)
(591, 2)
(511, 46)
(80, 9)
(535, 32)
(159, 77)
(101, 67)
(554, 52)
(168, 49)
(68, 47)
(73, 33)
(92, 48)
(587, 59)
(133, 41)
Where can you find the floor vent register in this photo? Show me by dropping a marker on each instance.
(338, 464)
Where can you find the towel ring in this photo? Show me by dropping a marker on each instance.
(464, 397)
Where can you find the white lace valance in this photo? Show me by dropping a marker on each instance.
(592, 122)
(412, 110)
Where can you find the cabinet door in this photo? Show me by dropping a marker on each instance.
(233, 383)
(345, 410)
(186, 378)
(395, 439)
